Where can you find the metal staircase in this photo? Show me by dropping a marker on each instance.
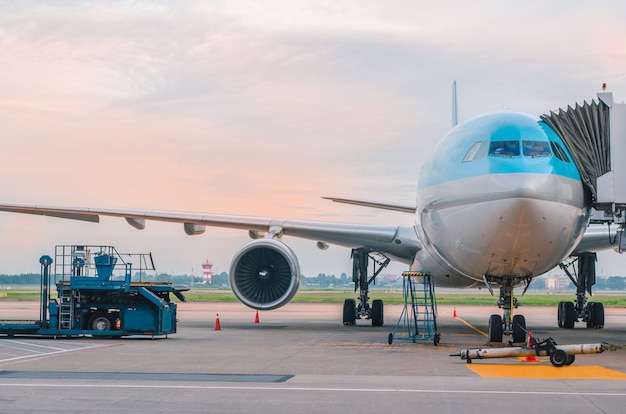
(66, 308)
(418, 320)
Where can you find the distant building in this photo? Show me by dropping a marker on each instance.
(207, 271)
(557, 282)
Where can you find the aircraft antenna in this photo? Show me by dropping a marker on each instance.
(454, 105)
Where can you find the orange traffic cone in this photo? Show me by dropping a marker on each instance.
(218, 327)
(256, 318)
(454, 313)
(530, 344)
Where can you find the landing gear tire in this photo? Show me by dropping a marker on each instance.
(390, 338)
(100, 322)
(377, 314)
(519, 329)
(566, 315)
(349, 312)
(595, 312)
(559, 358)
(495, 328)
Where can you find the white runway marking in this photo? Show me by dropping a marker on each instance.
(321, 389)
(12, 350)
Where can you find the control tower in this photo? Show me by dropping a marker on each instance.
(207, 271)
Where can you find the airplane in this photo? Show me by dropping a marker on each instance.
(503, 199)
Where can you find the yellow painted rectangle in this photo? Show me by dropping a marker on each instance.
(588, 372)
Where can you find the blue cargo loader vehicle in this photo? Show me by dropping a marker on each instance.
(96, 296)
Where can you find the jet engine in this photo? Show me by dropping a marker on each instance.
(265, 274)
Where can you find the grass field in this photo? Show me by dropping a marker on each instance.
(446, 297)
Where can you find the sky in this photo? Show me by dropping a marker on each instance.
(261, 108)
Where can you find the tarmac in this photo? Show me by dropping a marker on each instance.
(301, 359)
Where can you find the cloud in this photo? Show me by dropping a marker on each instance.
(261, 108)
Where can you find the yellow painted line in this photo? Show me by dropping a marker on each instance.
(463, 321)
(590, 372)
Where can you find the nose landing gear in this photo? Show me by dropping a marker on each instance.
(507, 324)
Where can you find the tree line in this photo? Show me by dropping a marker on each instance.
(217, 280)
(322, 280)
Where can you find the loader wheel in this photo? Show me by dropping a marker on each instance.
(559, 358)
(100, 322)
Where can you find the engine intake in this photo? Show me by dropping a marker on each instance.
(265, 274)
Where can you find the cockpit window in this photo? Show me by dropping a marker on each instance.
(559, 152)
(476, 151)
(504, 148)
(536, 148)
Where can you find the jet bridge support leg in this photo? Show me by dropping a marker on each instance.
(590, 312)
(353, 311)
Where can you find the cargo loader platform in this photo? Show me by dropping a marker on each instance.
(96, 296)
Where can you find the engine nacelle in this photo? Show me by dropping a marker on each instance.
(265, 274)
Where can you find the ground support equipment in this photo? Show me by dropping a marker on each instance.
(418, 320)
(96, 297)
(560, 355)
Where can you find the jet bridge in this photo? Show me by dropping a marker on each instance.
(595, 134)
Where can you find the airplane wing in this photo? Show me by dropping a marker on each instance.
(398, 242)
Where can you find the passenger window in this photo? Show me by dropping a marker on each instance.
(536, 149)
(476, 151)
(559, 152)
(504, 148)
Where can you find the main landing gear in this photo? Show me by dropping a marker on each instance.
(353, 311)
(507, 324)
(590, 312)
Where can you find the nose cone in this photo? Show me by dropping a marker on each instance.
(520, 226)
(520, 236)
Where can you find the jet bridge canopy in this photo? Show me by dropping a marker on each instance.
(595, 134)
